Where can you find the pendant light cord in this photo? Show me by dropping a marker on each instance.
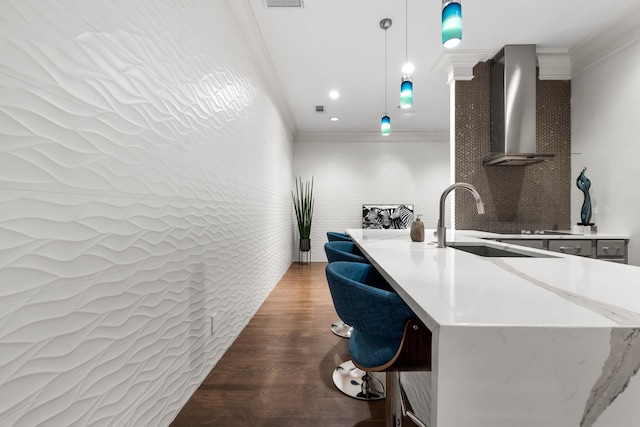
(406, 31)
(385, 71)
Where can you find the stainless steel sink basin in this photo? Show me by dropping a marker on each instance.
(488, 250)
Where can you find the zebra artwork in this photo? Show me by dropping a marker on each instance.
(387, 216)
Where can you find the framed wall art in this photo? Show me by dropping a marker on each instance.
(387, 216)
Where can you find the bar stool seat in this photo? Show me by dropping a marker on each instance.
(342, 250)
(387, 335)
(349, 378)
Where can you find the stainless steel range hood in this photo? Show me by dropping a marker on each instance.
(513, 108)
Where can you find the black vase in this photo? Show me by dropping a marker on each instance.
(584, 184)
(585, 212)
(305, 245)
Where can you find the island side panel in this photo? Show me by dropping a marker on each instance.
(529, 377)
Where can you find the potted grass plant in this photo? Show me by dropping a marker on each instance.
(303, 205)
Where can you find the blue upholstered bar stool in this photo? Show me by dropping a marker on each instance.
(387, 335)
(342, 250)
(333, 236)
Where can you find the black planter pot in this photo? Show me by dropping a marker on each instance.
(305, 245)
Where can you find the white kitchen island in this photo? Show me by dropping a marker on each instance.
(540, 341)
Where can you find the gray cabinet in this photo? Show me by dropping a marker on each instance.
(615, 250)
(612, 250)
(571, 247)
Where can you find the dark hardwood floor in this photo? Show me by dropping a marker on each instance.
(278, 371)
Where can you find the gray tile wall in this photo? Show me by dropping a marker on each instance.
(533, 197)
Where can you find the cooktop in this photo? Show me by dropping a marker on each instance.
(541, 232)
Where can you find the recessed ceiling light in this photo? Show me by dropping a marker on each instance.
(334, 94)
(334, 119)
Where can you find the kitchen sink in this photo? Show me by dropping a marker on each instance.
(487, 250)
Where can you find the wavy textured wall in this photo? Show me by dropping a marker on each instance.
(144, 186)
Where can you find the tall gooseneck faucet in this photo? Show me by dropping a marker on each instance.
(441, 230)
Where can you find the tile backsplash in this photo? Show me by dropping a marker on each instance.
(532, 197)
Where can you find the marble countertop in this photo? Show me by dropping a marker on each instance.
(446, 286)
(551, 341)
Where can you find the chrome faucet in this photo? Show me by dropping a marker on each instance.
(441, 231)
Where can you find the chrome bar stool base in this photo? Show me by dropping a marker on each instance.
(341, 329)
(356, 383)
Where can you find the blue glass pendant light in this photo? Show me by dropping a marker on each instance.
(406, 86)
(385, 123)
(451, 23)
(406, 92)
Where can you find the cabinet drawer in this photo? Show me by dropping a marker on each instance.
(610, 248)
(538, 244)
(571, 247)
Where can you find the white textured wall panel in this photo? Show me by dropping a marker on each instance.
(605, 128)
(350, 174)
(144, 186)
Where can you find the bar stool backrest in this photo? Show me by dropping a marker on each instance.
(343, 251)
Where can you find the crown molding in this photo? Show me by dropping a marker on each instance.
(459, 64)
(610, 39)
(554, 64)
(368, 136)
(248, 31)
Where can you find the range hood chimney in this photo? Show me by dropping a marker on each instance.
(513, 108)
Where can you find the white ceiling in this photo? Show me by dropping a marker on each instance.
(338, 44)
